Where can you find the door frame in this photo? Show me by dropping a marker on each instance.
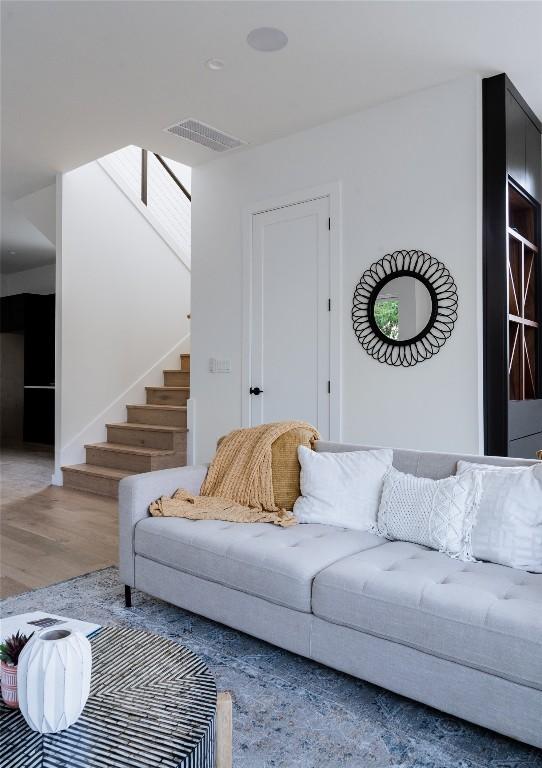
(332, 191)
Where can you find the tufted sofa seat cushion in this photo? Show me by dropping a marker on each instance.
(479, 614)
(277, 564)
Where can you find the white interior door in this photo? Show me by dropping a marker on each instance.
(290, 317)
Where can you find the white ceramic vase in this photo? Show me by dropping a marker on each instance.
(54, 679)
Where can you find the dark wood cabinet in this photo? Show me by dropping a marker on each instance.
(533, 152)
(39, 415)
(512, 272)
(39, 358)
(522, 144)
(515, 139)
(33, 316)
(12, 313)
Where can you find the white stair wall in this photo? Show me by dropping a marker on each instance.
(168, 209)
(123, 297)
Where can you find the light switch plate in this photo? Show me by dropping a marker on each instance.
(219, 366)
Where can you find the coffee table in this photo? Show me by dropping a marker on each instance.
(152, 703)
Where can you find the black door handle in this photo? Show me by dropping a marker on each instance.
(255, 391)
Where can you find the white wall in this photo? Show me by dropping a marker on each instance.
(409, 171)
(40, 208)
(37, 280)
(167, 207)
(122, 300)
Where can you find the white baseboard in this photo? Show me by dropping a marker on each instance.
(57, 478)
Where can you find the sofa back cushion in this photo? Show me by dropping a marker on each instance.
(426, 463)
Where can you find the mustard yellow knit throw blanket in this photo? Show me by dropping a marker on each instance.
(241, 470)
(239, 481)
(184, 504)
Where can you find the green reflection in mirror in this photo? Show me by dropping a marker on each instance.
(386, 314)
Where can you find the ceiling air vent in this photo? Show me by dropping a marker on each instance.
(212, 138)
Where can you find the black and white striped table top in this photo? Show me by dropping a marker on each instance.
(152, 704)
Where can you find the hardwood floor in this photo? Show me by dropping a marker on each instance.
(49, 534)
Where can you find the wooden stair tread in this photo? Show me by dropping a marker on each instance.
(127, 450)
(168, 389)
(133, 449)
(94, 469)
(146, 427)
(161, 407)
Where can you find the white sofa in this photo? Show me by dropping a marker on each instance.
(465, 638)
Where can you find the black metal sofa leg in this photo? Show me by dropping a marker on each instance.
(128, 596)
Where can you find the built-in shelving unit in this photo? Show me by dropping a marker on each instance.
(512, 272)
(523, 308)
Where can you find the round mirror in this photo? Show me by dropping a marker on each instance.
(402, 308)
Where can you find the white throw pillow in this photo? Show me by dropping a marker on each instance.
(436, 513)
(341, 488)
(508, 528)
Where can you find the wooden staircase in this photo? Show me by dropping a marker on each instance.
(154, 437)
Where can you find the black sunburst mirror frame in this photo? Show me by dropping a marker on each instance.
(444, 301)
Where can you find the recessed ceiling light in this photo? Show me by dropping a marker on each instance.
(215, 64)
(12, 253)
(267, 39)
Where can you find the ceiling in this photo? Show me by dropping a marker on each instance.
(80, 79)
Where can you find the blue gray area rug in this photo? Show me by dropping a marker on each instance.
(290, 712)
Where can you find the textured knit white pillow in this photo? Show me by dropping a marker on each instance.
(341, 488)
(508, 528)
(436, 513)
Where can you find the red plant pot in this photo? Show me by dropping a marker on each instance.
(8, 675)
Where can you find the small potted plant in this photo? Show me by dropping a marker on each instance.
(10, 649)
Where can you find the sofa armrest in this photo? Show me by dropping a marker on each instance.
(136, 492)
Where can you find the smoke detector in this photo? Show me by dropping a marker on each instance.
(209, 137)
